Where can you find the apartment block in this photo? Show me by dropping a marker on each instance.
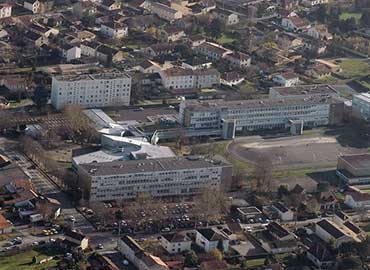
(5, 10)
(257, 114)
(157, 177)
(361, 106)
(164, 12)
(180, 78)
(91, 90)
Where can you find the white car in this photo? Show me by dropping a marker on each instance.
(125, 262)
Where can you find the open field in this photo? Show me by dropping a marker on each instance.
(354, 68)
(23, 261)
(224, 39)
(348, 15)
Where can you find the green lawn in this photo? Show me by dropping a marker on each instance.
(247, 88)
(348, 15)
(354, 68)
(255, 262)
(224, 39)
(23, 261)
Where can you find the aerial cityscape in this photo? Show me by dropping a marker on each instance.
(184, 134)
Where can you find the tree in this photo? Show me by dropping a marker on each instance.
(119, 215)
(40, 96)
(216, 28)
(262, 174)
(282, 191)
(34, 260)
(191, 259)
(217, 254)
(365, 18)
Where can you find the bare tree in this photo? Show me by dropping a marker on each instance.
(261, 178)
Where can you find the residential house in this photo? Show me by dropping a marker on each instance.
(319, 31)
(327, 201)
(159, 49)
(148, 66)
(195, 40)
(212, 51)
(5, 225)
(110, 4)
(286, 79)
(164, 12)
(114, 30)
(36, 40)
(70, 52)
(238, 59)
(225, 16)
(42, 30)
(318, 71)
(356, 198)
(321, 255)
(89, 48)
(285, 214)
(231, 78)
(312, 3)
(171, 34)
(5, 10)
(108, 55)
(213, 265)
(138, 257)
(209, 239)
(294, 24)
(329, 232)
(288, 4)
(83, 35)
(75, 239)
(175, 242)
(32, 5)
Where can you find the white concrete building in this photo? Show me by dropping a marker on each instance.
(175, 242)
(286, 79)
(32, 5)
(361, 106)
(284, 213)
(319, 31)
(158, 177)
(294, 24)
(355, 198)
(164, 12)
(226, 17)
(209, 239)
(5, 10)
(180, 78)
(258, 114)
(91, 90)
(71, 52)
(114, 30)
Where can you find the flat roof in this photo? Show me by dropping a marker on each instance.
(315, 89)
(260, 103)
(143, 114)
(359, 161)
(150, 165)
(93, 76)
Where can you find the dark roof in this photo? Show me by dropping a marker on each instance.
(277, 229)
(358, 196)
(359, 161)
(321, 252)
(341, 215)
(106, 50)
(175, 237)
(353, 227)
(74, 234)
(210, 234)
(32, 36)
(330, 228)
(131, 243)
(108, 3)
(280, 207)
(298, 189)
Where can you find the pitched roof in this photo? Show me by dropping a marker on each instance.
(277, 229)
(175, 237)
(4, 223)
(210, 234)
(358, 196)
(74, 234)
(280, 207)
(330, 228)
(298, 189)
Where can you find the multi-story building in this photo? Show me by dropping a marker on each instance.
(164, 12)
(5, 10)
(225, 16)
(32, 5)
(176, 242)
(114, 30)
(180, 78)
(157, 177)
(212, 51)
(91, 90)
(361, 106)
(354, 169)
(258, 114)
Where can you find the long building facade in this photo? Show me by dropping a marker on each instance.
(91, 90)
(158, 177)
(260, 114)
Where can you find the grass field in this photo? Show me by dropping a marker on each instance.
(354, 68)
(23, 261)
(348, 15)
(255, 262)
(224, 39)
